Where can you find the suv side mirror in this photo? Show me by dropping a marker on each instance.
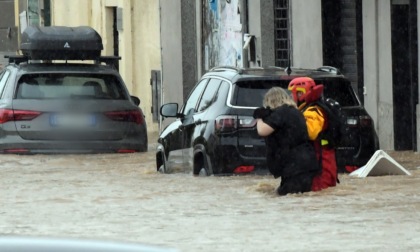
(169, 110)
(135, 99)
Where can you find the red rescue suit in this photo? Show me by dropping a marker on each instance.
(316, 122)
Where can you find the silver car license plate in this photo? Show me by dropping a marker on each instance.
(72, 120)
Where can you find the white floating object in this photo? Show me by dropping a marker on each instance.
(380, 164)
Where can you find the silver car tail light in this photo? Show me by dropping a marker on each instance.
(7, 115)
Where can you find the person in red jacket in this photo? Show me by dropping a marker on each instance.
(306, 93)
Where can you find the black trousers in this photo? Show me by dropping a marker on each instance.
(296, 184)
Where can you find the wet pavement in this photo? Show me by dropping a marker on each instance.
(120, 197)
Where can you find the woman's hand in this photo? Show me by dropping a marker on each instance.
(261, 112)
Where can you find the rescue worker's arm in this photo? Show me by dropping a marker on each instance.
(263, 129)
(314, 122)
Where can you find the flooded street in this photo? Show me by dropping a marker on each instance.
(121, 197)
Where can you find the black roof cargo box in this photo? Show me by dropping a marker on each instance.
(61, 43)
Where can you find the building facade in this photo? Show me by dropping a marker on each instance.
(374, 43)
(8, 30)
(129, 29)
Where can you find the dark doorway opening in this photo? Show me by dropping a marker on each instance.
(404, 73)
(47, 13)
(331, 33)
(342, 39)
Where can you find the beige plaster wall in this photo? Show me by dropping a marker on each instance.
(139, 39)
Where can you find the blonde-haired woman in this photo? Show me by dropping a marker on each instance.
(290, 155)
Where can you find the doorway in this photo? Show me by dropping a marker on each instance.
(404, 72)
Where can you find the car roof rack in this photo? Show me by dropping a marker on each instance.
(17, 59)
(109, 60)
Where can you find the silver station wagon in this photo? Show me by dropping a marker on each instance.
(53, 102)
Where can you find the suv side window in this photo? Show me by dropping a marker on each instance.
(209, 95)
(222, 92)
(3, 80)
(194, 97)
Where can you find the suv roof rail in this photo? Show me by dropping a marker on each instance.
(232, 68)
(276, 67)
(329, 69)
(17, 59)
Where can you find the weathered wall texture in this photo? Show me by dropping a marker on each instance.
(222, 34)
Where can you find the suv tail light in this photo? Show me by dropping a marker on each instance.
(7, 115)
(126, 151)
(126, 116)
(226, 123)
(244, 169)
(16, 151)
(364, 121)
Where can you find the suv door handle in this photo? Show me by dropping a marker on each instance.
(197, 122)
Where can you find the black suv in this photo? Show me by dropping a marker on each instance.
(215, 133)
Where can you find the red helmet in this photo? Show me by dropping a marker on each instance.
(304, 89)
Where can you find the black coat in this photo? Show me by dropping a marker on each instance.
(289, 152)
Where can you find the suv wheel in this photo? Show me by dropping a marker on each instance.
(161, 163)
(201, 167)
(203, 172)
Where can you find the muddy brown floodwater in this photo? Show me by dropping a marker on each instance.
(120, 197)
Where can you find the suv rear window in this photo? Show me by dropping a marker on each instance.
(340, 90)
(251, 93)
(58, 86)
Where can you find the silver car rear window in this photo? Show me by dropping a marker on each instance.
(59, 86)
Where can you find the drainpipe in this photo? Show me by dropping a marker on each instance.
(377, 63)
(418, 69)
(243, 5)
(199, 37)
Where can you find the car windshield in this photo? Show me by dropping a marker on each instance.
(58, 86)
(251, 93)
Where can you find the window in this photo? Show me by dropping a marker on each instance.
(194, 97)
(209, 95)
(57, 86)
(223, 92)
(251, 93)
(340, 90)
(281, 22)
(3, 80)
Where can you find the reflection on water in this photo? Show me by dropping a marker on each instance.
(122, 197)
